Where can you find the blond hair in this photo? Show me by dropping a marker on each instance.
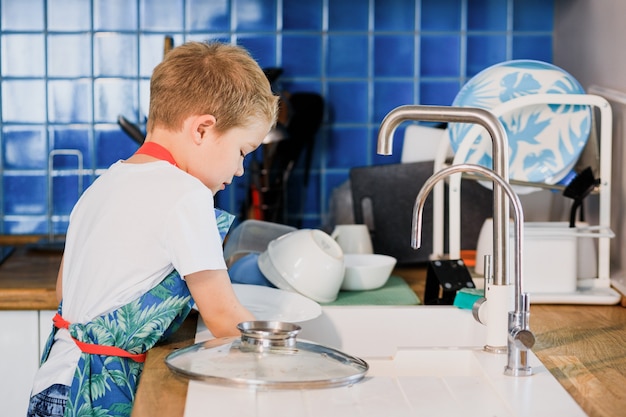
(198, 78)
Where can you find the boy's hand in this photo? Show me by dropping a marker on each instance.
(217, 302)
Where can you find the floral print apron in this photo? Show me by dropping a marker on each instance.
(114, 345)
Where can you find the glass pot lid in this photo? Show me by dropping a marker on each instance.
(267, 355)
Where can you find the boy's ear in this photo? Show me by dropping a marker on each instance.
(202, 126)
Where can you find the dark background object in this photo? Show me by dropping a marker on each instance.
(306, 120)
(272, 74)
(443, 279)
(578, 189)
(131, 129)
(5, 252)
(390, 191)
(270, 178)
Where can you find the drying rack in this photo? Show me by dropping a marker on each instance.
(53, 242)
(590, 291)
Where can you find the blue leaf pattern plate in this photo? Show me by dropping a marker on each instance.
(545, 141)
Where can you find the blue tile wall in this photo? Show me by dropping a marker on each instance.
(68, 68)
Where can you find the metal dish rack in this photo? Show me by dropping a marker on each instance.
(591, 291)
(53, 242)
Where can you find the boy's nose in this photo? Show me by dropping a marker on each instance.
(240, 170)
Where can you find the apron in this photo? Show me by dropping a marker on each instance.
(114, 345)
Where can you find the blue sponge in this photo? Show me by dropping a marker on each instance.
(466, 297)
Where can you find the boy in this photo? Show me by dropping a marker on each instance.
(144, 243)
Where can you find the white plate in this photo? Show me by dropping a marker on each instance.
(545, 141)
(273, 304)
(269, 304)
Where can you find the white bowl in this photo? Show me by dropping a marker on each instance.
(366, 271)
(307, 261)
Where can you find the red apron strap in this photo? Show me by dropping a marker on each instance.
(93, 349)
(157, 151)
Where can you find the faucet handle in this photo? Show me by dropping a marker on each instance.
(523, 339)
(519, 324)
(478, 310)
(520, 340)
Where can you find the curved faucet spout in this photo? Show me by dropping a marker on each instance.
(519, 337)
(446, 114)
(500, 156)
(518, 213)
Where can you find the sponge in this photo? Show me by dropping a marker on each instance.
(466, 297)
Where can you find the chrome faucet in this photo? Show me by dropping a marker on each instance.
(499, 296)
(519, 337)
(500, 157)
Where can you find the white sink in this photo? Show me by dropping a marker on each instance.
(369, 331)
(424, 360)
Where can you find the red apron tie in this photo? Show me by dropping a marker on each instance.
(93, 349)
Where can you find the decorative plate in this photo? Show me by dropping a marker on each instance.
(545, 140)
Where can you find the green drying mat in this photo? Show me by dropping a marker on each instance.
(395, 292)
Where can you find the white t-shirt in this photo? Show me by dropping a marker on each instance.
(129, 229)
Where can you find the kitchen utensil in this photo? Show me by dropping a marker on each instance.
(366, 271)
(353, 238)
(168, 44)
(276, 134)
(307, 261)
(265, 197)
(267, 355)
(307, 112)
(131, 129)
(386, 195)
(272, 73)
(545, 140)
(578, 189)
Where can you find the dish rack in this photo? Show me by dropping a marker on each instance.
(590, 291)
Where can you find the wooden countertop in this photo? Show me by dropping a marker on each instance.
(584, 347)
(28, 279)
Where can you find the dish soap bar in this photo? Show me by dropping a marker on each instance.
(466, 297)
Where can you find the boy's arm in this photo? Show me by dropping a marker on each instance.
(217, 302)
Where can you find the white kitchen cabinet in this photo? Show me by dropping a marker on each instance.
(21, 341)
(19, 347)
